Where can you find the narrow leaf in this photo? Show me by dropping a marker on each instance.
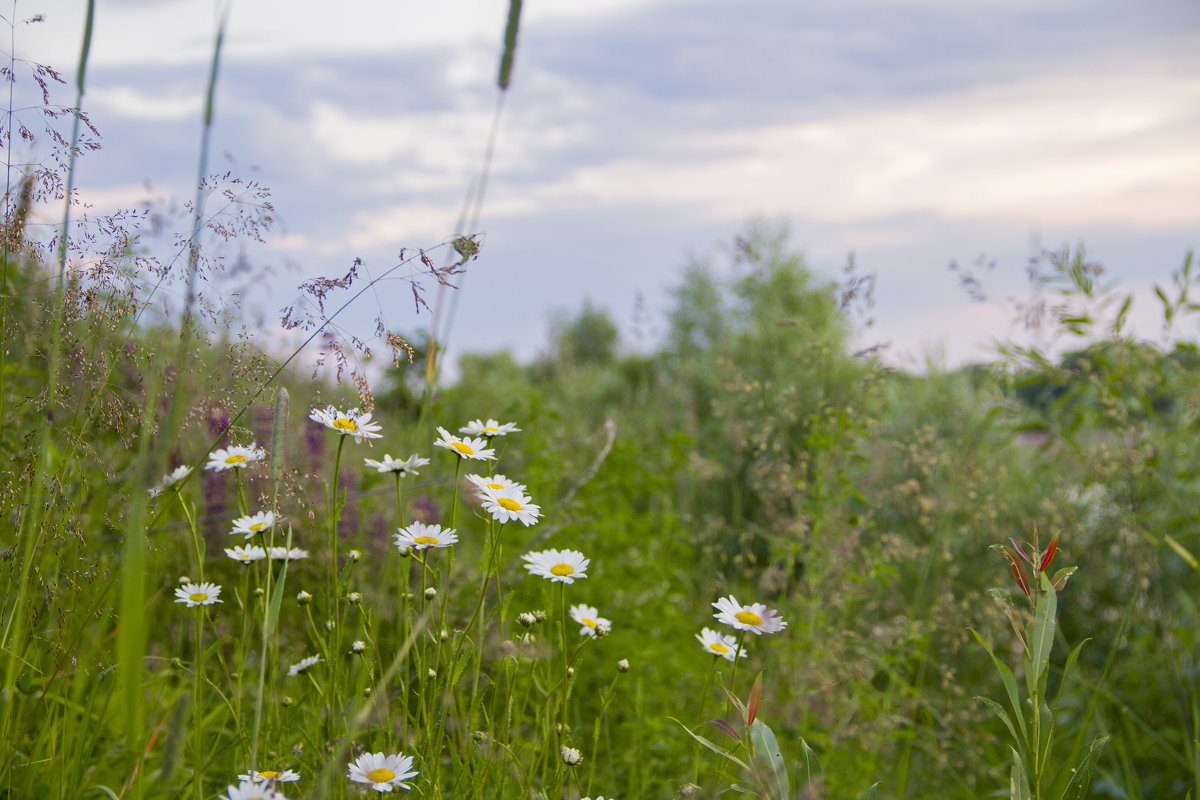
(766, 747)
(715, 748)
(1018, 781)
(1010, 684)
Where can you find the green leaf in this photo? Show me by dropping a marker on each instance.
(870, 793)
(1010, 684)
(766, 747)
(1066, 673)
(1041, 639)
(1003, 715)
(1078, 779)
(1018, 781)
(714, 747)
(810, 767)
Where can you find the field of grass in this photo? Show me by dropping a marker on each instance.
(533, 582)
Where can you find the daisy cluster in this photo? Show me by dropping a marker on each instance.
(755, 618)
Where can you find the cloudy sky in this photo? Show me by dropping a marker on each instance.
(640, 133)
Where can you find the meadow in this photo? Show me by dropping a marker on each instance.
(745, 559)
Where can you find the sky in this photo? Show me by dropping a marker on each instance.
(638, 135)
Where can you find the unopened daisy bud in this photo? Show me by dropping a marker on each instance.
(359, 646)
(184, 579)
(570, 672)
(304, 598)
(540, 615)
(479, 736)
(258, 592)
(328, 624)
(353, 555)
(527, 619)
(430, 593)
(444, 635)
(431, 674)
(570, 756)
(405, 550)
(562, 728)
(285, 701)
(367, 691)
(623, 665)
(354, 598)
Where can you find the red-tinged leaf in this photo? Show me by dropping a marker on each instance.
(755, 697)
(1019, 573)
(1049, 554)
(725, 726)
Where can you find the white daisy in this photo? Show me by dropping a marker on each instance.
(403, 466)
(254, 523)
(246, 554)
(718, 644)
(756, 617)
(352, 423)
(474, 449)
(563, 566)
(270, 775)
(593, 624)
(478, 427)
(252, 790)
(284, 553)
(302, 665)
(507, 506)
(198, 594)
(382, 772)
(170, 480)
(235, 457)
(420, 536)
(496, 482)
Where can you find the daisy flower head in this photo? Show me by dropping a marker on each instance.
(246, 554)
(718, 644)
(253, 523)
(270, 775)
(252, 790)
(420, 536)
(383, 772)
(170, 480)
(234, 457)
(302, 665)
(498, 483)
(563, 566)
(756, 618)
(351, 423)
(478, 427)
(283, 553)
(593, 624)
(474, 449)
(198, 594)
(400, 466)
(507, 506)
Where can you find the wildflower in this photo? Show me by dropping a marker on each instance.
(352, 423)
(170, 480)
(270, 775)
(383, 772)
(623, 665)
(203, 594)
(474, 449)
(303, 598)
(593, 624)
(235, 457)
(401, 466)
(252, 790)
(286, 554)
(527, 619)
(477, 427)
(570, 756)
(506, 506)
(354, 598)
(756, 618)
(302, 665)
(354, 556)
(252, 524)
(246, 554)
(497, 482)
(430, 593)
(358, 646)
(557, 565)
(419, 536)
(723, 645)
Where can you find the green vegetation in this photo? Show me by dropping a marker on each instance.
(151, 646)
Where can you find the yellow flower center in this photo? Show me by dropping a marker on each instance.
(495, 486)
(345, 424)
(425, 540)
(380, 774)
(198, 597)
(717, 647)
(270, 774)
(234, 459)
(589, 622)
(489, 428)
(256, 527)
(749, 618)
(463, 448)
(511, 505)
(561, 570)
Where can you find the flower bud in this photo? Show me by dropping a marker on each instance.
(353, 556)
(623, 665)
(259, 592)
(570, 756)
(527, 619)
(304, 598)
(430, 593)
(367, 691)
(358, 647)
(354, 598)
(431, 674)
(285, 701)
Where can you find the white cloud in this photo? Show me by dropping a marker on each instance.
(129, 102)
